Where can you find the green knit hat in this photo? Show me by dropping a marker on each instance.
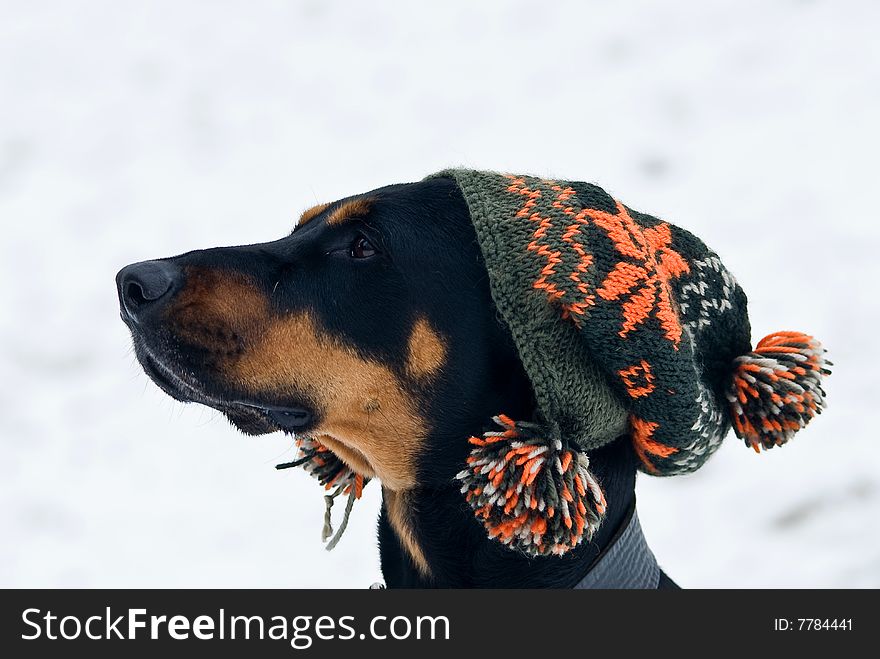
(624, 324)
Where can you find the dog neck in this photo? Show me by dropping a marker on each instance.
(429, 538)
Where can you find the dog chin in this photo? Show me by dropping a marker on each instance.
(249, 421)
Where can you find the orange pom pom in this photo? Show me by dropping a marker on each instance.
(776, 388)
(531, 493)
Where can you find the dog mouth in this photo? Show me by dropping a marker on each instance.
(253, 417)
(289, 418)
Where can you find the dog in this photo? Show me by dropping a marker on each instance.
(372, 328)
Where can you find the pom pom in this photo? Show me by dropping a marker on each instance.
(531, 493)
(776, 388)
(324, 465)
(331, 472)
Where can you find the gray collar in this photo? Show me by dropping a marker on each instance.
(626, 563)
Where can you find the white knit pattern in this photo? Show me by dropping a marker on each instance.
(695, 308)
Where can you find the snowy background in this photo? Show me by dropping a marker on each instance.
(134, 130)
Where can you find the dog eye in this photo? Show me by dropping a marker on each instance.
(362, 248)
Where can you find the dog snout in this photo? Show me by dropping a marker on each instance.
(146, 286)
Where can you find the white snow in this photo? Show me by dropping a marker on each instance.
(133, 130)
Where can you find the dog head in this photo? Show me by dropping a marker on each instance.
(370, 327)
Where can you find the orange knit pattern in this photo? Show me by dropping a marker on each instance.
(538, 243)
(645, 445)
(541, 245)
(638, 379)
(585, 259)
(645, 277)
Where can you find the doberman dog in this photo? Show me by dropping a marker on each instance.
(371, 327)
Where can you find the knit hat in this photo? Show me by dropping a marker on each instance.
(624, 323)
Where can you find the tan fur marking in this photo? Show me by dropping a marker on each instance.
(311, 213)
(398, 507)
(367, 417)
(215, 310)
(363, 405)
(349, 455)
(349, 209)
(426, 351)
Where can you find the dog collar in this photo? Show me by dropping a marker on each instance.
(627, 563)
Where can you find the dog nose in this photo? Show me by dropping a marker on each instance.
(142, 285)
